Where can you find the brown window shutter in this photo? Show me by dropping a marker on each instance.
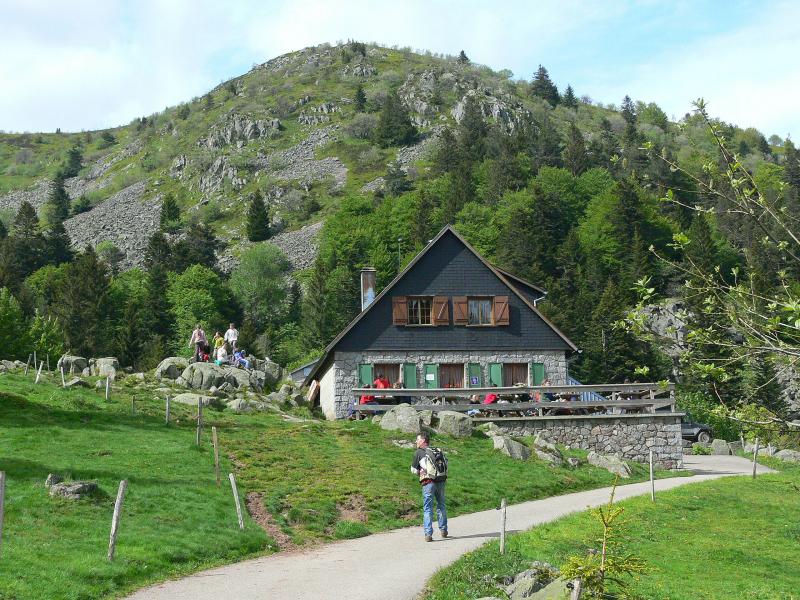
(460, 310)
(441, 310)
(500, 309)
(399, 310)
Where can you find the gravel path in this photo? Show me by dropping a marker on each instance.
(395, 565)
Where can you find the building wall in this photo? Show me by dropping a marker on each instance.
(327, 394)
(630, 437)
(345, 367)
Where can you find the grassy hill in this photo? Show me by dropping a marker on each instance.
(303, 480)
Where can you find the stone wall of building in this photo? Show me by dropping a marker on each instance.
(346, 366)
(629, 436)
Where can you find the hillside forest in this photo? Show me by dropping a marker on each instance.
(583, 199)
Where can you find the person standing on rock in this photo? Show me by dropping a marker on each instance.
(198, 340)
(218, 341)
(430, 464)
(232, 336)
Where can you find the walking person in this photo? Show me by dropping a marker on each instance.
(430, 464)
(198, 340)
(232, 336)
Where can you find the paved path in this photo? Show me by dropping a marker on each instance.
(396, 565)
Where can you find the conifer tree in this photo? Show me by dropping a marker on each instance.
(26, 246)
(3, 230)
(394, 125)
(170, 212)
(628, 110)
(472, 132)
(575, 157)
(156, 302)
(569, 100)
(26, 222)
(58, 202)
(158, 252)
(396, 181)
(421, 228)
(198, 247)
(257, 219)
(462, 58)
(57, 244)
(360, 99)
(74, 162)
(543, 87)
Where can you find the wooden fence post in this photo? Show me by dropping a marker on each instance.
(35, 362)
(199, 419)
(166, 420)
(112, 542)
(652, 479)
(577, 589)
(48, 363)
(28, 364)
(108, 387)
(133, 405)
(2, 504)
(503, 526)
(236, 498)
(63, 380)
(216, 452)
(755, 458)
(39, 372)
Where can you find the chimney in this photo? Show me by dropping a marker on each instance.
(367, 287)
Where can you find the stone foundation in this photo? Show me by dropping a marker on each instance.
(629, 436)
(345, 366)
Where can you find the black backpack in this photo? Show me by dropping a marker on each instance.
(436, 464)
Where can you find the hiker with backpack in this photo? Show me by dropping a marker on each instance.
(430, 464)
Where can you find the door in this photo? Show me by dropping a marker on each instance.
(474, 375)
(410, 375)
(496, 374)
(537, 373)
(431, 376)
(514, 373)
(365, 375)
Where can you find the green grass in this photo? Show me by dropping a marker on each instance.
(319, 481)
(724, 539)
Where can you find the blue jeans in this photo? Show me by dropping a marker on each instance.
(429, 492)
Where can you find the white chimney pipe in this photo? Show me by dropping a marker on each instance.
(368, 275)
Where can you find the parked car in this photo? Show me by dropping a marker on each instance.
(696, 432)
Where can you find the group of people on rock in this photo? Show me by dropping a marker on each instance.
(223, 349)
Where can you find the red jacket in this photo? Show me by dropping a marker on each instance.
(491, 398)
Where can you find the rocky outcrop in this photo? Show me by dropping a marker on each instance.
(455, 424)
(298, 162)
(359, 67)
(217, 173)
(124, 219)
(194, 399)
(104, 367)
(511, 448)
(72, 364)
(610, 463)
(402, 418)
(171, 368)
(203, 376)
(239, 129)
(788, 455)
(300, 247)
(504, 111)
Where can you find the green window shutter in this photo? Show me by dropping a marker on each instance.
(537, 373)
(410, 375)
(496, 374)
(475, 377)
(431, 376)
(365, 375)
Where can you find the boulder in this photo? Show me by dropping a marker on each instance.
(574, 462)
(554, 459)
(285, 389)
(78, 382)
(277, 398)
(72, 364)
(720, 447)
(555, 590)
(455, 424)
(426, 416)
(240, 378)
(203, 376)
(273, 372)
(193, 399)
(73, 490)
(105, 367)
(490, 429)
(788, 455)
(241, 406)
(610, 463)
(53, 479)
(404, 444)
(735, 447)
(402, 417)
(511, 448)
(171, 368)
(296, 399)
(376, 419)
(530, 582)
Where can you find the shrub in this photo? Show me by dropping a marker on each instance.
(362, 127)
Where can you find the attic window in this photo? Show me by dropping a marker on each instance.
(480, 311)
(419, 311)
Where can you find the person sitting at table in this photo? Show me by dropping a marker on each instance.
(366, 398)
(550, 397)
(401, 399)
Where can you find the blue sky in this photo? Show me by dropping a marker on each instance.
(87, 64)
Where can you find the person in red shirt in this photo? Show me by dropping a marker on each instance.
(367, 399)
(491, 397)
(381, 383)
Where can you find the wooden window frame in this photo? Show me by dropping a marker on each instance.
(409, 300)
(490, 299)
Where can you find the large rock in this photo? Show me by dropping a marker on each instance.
(610, 463)
(77, 382)
(402, 417)
(454, 423)
(193, 399)
(171, 368)
(511, 448)
(239, 378)
(547, 451)
(789, 455)
(73, 490)
(203, 376)
(720, 447)
(273, 372)
(105, 367)
(555, 590)
(72, 364)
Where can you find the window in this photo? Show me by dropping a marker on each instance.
(480, 311)
(514, 373)
(389, 371)
(419, 311)
(451, 375)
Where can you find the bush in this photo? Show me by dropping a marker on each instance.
(362, 127)
(704, 409)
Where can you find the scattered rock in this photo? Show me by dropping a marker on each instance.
(78, 382)
(203, 376)
(720, 447)
(735, 447)
(788, 455)
(403, 418)
(53, 479)
(511, 448)
(104, 367)
(574, 462)
(490, 429)
(405, 444)
(610, 463)
(554, 459)
(73, 490)
(426, 417)
(241, 406)
(171, 368)
(555, 590)
(72, 364)
(193, 399)
(376, 419)
(455, 424)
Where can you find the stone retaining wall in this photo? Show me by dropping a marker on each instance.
(629, 436)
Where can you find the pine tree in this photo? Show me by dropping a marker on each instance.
(543, 87)
(575, 157)
(158, 252)
(25, 247)
(257, 219)
(170, 212)
(462, 58)
(546, 147)
(156, 303)
(421, 227)
(58, 202)
(132, 334)
(472, 132)
(628, 110)
(314, 306)
(360, 99)
(74, 162)
(394, 125)
(198, 247)
(605, 146)
(569, 100)
(445, 158)
(3, 230)
(57, 245)
(14, 338)
(26, 222)
(396, 181)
